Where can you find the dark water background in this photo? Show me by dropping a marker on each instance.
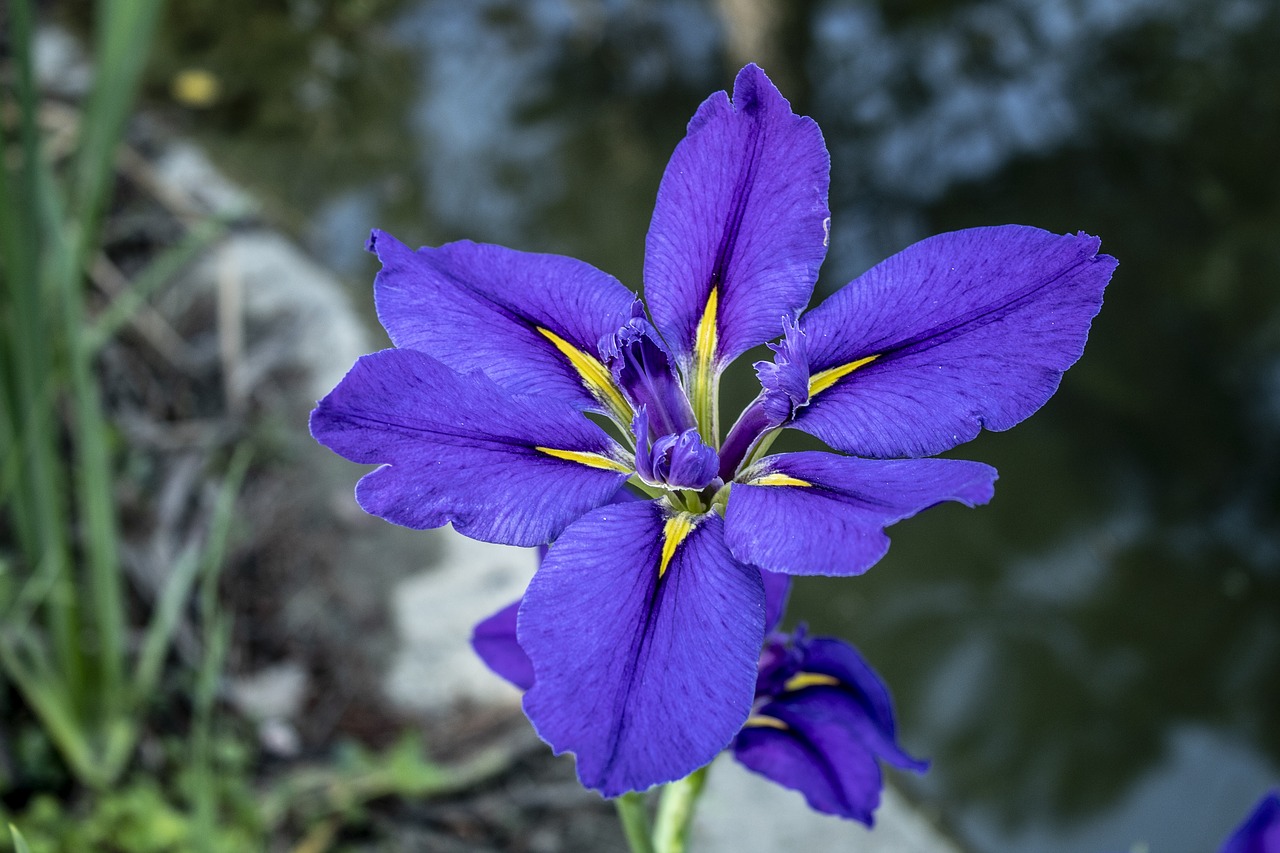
(1091, 661)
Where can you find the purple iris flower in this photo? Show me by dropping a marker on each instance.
(1260, 832)
(644, 624)
(821, 724)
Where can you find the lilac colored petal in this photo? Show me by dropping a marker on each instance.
(645, 679)
(835, 526)
(743, 208)
(459, 449)
(476, 306)
(777, 589)
(494, 640)
(971, 329)
(1260, 832)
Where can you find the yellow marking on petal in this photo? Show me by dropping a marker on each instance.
(583, 457)
(777, 479)
(595, 376)
(825, 379)
(704, 356)
(809, 679)
(762, 722)
(675, 531)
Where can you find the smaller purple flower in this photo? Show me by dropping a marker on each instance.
(1260, 832)
(821, 724)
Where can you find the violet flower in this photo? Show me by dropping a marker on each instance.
(644, 624)
(1260, 832)
(821, 724)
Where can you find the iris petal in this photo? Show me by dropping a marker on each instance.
(740, 224)
(824, 723)
(494, 640)
(644, 678)
(1260, 832)
(817, 513)
(958, 332)
(530, 322)
(459, 449)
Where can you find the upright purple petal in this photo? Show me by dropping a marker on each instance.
(513, 470)
(958, 332)
(480, 307)
(742, 211)
(817, 513)
(644, 674)
(1260, 832)
(494, 640)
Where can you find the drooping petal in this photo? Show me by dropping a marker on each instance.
(453, 448)
(813, 751)
(1260, 832)
(958, 332)
(494, 640)
(842, 662)
(740, 224)
(530, 322)
(644, 672)
(824, 724)
(817, 513)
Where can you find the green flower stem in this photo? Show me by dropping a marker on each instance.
(675, 812)
(635, 822)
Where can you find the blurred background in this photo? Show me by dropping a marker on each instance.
(1091, 662)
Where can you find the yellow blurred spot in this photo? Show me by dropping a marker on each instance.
(760, 721)
(195, 87)
(824, 380)
(676, 530)
(809, 679)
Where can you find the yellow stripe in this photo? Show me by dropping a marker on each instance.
(583, 457)
(809, 679)
(675, 531)
(704, 345)
(763, 722)
(824, 380)
(704, 355)
(595, 376)
(778, 480)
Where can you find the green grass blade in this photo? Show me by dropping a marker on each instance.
(122, 44)
(44, 690)
(19, 843)
(164, 621)
(35, 480)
